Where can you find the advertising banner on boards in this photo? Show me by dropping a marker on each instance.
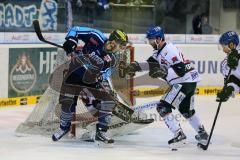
(29, 69)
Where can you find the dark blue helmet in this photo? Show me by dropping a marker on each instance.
(155, 32)
(228, 37)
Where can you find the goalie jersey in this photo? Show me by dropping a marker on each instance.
(180, 70)
(234, 79)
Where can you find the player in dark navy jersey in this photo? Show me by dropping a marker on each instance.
(87, 65)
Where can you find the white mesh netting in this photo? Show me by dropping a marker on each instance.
(44, 119)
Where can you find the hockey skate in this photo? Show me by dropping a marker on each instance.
(202, 135)
(59, 134)
(178, 140)
(101, 138)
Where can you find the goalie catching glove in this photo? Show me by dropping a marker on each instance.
(155, 69)
(233, 58)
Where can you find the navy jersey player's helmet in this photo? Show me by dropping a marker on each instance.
(228, 37)
(155, 32)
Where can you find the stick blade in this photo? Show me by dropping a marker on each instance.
(143, 121)
(202, 146)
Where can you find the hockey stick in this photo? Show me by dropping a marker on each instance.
(205, 147)
(40, 36)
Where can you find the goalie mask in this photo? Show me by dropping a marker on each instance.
(117, 41)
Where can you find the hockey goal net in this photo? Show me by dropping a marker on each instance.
(44, 119)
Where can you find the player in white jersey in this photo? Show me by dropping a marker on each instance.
(230, 44)
(168, 63)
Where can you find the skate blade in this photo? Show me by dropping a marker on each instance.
(101, 144)
(178, 144)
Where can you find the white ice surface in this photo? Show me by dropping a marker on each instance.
(147, 144)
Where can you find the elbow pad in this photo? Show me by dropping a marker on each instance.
(180, 69)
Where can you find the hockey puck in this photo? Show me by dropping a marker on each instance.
(174, 149)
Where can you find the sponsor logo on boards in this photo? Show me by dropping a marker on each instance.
(23, 74)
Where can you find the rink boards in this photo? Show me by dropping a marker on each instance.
(206, 57)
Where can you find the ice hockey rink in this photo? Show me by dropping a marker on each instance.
(146, 144)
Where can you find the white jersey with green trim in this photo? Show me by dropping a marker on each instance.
(170, 55)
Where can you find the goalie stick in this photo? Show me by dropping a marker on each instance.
(205, 147)
(121, 111)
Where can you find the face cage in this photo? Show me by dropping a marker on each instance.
(118, 46)
(121, 45)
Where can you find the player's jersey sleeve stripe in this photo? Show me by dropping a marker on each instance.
(78, 31)
(100, 35)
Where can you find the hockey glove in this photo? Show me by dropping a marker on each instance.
(233, 58)
(132, 68)
(158, 72)
(70, 44)
(155, 70)
(224, 94)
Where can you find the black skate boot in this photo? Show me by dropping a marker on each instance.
(178, 140)
(202, 135)
(59, 134)
(102, 139)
